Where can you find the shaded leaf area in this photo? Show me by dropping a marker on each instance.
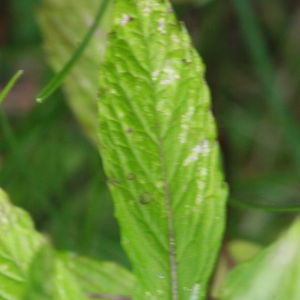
(158, 144)
(62, 32)
(31, 270)
(51, 170)
(272, 274)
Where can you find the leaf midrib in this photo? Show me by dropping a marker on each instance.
(164, 172)
(170, 219)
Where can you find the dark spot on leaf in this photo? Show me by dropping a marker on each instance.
(113, 181)
(130, 176)
(145, 198)
(130, 19)
(186, 61)
(129, 130)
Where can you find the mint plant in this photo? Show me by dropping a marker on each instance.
(158, 142)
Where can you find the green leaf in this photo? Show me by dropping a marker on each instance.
(233, 252)
(64, 24)
(158, 143)
(29, 269)
(99, 278)
(274, 273)
(18, 244)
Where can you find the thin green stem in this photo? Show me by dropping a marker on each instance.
(265, 207)
(10, 85)
(56, 80)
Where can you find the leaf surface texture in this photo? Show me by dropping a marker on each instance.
(161, 156)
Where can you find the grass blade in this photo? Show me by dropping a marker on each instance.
(56, 80)
(10, 85)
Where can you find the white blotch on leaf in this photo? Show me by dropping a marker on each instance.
(169, 9)
(147, 10)
(202, 148)
(162, 25)
(185, 124)
(147, 6)
(125, 19)
(169, 76)
(175, 38)
(166, 75)
(154, 75)
(195, 294)
(148, 294)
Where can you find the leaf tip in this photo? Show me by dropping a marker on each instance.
(39, 99)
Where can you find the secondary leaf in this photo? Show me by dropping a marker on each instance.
(28, 266)
(99, 278)
(66, 286)
(18, 244)
(158, 143)
(274, 273)
(64, 24)
(49, 279)
(30, 269)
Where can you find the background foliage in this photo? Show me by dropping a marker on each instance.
(49, 167)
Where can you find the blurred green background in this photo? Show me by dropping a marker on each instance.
(50, 167)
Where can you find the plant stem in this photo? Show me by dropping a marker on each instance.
(265, 207)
